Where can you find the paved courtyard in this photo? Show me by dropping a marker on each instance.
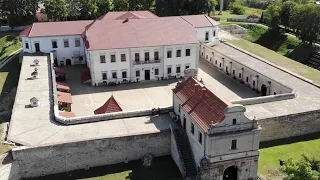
(139, 96)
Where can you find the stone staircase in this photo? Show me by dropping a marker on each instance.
(314, 60)
(186, 153)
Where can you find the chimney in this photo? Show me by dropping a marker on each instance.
(126, 20)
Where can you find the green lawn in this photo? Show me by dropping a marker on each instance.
(278, 59)
(228, 14)
(269, 157)
(9, 42)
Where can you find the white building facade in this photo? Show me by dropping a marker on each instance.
(120, 51)
(225, 148)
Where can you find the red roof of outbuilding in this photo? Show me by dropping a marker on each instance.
(61, 85)
(200, 103)
(67, 114)
(110, 106)
(64, 97)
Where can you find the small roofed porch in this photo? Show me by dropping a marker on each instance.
(64, 101)
(60, 73)
(63, 87)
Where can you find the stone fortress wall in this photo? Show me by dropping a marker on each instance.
(60, 158)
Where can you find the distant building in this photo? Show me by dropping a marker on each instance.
(125, 46)
(41, 13)
(224, 142)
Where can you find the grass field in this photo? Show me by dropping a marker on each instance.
(228, 14)
(284, 44)
(278, 59)
(9, 42)
(269, 157)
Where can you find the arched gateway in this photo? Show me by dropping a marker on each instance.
(231, 173)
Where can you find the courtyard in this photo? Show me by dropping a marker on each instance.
(138, 96)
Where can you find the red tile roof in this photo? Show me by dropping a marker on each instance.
(61, 85)
(67, 114)
(127, 14)
(62, 28)
(200, 20)
(200, 103)
(60, 70)
(140, 33)
(110, 106)
(64, 97)
(25, 33)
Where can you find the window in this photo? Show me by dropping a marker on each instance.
(156, 55)
(214, 33)
(247, 79)
(156, 71)
(179, 108)
(66, 43)
(169, 54)
(104, 75)
(54, 44)
(210, 59)
(178, 69)
(216, 62)
(200, 138)
(220, 64)
(179, 53)
(233, 72)
(77, 42)
(234, 144)
(274, 93)
(234, 121)
(239, 75)
(146, 56)
(136, 56)
(26, 45)
(226, 68)
(137, 73)
(113, 57)
(80, 58)
(206, 56)
(207, 36)
(187, 52)
(169, 70)
(254, 83)
(192, 128)
(102, 59)
(124, 74)
(187, 67)
(123, 57)
(114, 75)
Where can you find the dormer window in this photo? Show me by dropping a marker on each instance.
(34, 102)
(234, 121)
(36, 62)
(34, 74)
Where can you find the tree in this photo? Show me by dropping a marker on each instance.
(137, 5)
(19, 12)
(300, 170)
(286, 12)
(237, 8)
(57, 10)
(306, 20)
(272, 15)
(88, 9)
(120, 5)
(212, 6)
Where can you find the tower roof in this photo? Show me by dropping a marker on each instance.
(110, 106)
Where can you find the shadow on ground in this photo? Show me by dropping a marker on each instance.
(10, 78)
(291, 140)
(163, 168)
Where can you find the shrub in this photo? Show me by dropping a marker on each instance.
(252, 16)
(238, 9)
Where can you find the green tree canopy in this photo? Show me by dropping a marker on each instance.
(272, 15)
(57, 10)
(286, 12)
(304, 169)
